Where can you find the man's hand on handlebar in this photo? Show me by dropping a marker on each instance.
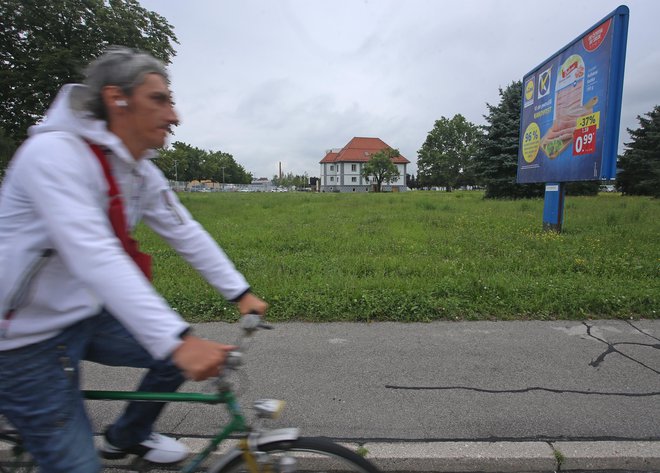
(251, 304)
(199, 358)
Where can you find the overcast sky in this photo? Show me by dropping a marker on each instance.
(272, 81)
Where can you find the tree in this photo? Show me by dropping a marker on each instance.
(639, 167)
(183, 162)
(583, 188)
(45, 44)
(7, 149)
(380, 168)
(411, 181)
(497, 161)
(222, 167)
(445, 157)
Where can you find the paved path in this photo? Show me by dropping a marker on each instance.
(449, 396)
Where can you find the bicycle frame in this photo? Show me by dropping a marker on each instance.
(250, 438)
(236, 424)
(249, 441)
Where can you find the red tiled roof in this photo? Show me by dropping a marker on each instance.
(330, 157)
(360, 150)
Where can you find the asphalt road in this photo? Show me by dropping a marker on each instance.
(395, 383)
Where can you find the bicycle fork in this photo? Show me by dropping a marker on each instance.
(262, 462)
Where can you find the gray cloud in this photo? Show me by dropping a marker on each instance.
(273, 82)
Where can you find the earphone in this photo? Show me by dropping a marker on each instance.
(121, 103)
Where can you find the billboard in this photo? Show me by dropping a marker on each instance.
(571, 108)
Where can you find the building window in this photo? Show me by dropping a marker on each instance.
(332, 168)
(332, 179)
(353, 167)
(353, 179)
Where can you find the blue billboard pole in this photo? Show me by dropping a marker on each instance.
(570, 114)
(553, 206)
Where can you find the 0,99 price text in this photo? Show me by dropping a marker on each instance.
(584, 141)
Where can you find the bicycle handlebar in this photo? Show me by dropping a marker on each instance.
(249, 323)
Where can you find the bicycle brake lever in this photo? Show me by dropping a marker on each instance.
(252, 322)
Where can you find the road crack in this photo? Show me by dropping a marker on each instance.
(612, 348)
(519, 391)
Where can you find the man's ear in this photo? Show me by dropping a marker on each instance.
(113, 99)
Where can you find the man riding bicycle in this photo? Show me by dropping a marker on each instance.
(74, 286)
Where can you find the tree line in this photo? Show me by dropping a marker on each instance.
(292, 180)
(183, 162)
(458, 153)
(44, 45)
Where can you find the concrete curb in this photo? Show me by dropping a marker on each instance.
(516, 457)
(500, 457)
(486, 457)
(598, 456)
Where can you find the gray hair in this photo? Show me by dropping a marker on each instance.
(120, 66)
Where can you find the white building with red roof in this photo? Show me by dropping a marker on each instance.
(341, 169)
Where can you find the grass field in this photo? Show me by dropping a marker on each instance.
(421, 256)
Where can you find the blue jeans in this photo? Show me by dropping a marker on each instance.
(40, 394)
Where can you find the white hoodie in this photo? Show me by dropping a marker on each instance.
(55, 197)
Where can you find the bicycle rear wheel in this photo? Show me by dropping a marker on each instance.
(304, 454)
(13, 458)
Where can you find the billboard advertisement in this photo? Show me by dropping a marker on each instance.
(571, 108)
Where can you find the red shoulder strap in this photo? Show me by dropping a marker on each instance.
(116, 205)
(113, 190)
(118, 218)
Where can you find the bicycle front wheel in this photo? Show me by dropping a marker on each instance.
(301, 455)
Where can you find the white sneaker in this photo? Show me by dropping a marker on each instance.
(157, 448)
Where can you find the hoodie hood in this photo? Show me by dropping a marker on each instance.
(64, 116)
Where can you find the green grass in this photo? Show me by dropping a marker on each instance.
(422, 256)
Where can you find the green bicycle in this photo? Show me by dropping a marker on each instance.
(258, 449)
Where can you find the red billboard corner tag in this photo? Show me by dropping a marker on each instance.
(592, 40)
